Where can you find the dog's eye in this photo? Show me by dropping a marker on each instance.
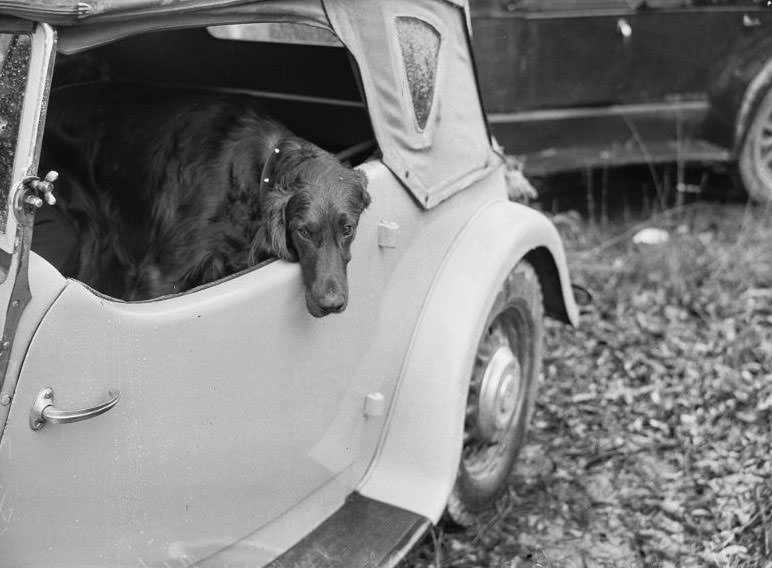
(303, 233)
(347, 230)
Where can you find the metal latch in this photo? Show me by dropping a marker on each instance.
(33, 192)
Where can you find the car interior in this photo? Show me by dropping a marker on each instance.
(323, 103)
(304, 78)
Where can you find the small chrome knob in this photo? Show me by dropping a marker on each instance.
(45, 188)
(624, 28)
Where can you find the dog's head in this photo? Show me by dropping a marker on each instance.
(311, 205)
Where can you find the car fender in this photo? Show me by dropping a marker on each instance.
(415, 466)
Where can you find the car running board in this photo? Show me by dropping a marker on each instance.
(362, 533)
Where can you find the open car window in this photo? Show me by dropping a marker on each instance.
(296, 75)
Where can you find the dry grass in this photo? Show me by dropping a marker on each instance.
(651, 444)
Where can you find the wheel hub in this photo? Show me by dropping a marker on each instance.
(499, 393)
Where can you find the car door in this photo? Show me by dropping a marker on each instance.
(235, 405)
(228, 406)
(565, 59)
(557, 54)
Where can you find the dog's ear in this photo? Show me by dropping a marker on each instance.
(362, 182)
(271, 238)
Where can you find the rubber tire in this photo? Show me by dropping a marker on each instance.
(756, 179)
(522, 294)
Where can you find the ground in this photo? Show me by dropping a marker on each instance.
(651, 441)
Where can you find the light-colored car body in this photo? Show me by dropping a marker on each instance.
(243, 423)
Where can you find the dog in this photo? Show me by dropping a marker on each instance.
(171, 189)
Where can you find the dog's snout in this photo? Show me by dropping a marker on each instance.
(327, 296)
(333, 299)
(324, 274)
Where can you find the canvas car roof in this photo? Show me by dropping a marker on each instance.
(434, 159)
(69, 12)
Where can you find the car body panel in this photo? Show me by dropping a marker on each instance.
(188, 439)
(415, 468)
(267, 543)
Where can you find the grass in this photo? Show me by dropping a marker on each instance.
(651, 444)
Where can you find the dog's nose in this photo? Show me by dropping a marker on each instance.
(332, 297)
(332, 301)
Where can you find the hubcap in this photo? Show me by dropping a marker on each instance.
(495, 400)
(499, 393)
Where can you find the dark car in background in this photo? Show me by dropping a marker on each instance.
(575, 84)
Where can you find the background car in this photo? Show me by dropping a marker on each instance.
(225, 426)
(574, 84)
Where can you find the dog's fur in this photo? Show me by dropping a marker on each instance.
(165, 190)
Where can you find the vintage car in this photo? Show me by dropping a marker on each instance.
(575, 84)
(225, 426)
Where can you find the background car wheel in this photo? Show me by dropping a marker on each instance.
(502, 390)
(755, 157)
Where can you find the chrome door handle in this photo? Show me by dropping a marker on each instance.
(43, 410)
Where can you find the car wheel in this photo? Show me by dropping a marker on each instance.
(755, 156)
(502, 390)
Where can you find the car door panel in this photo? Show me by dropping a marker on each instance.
(235, 405)
(549, 63)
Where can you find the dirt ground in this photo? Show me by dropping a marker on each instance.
(651, 440)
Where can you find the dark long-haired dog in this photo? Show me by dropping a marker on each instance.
(171, 189)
